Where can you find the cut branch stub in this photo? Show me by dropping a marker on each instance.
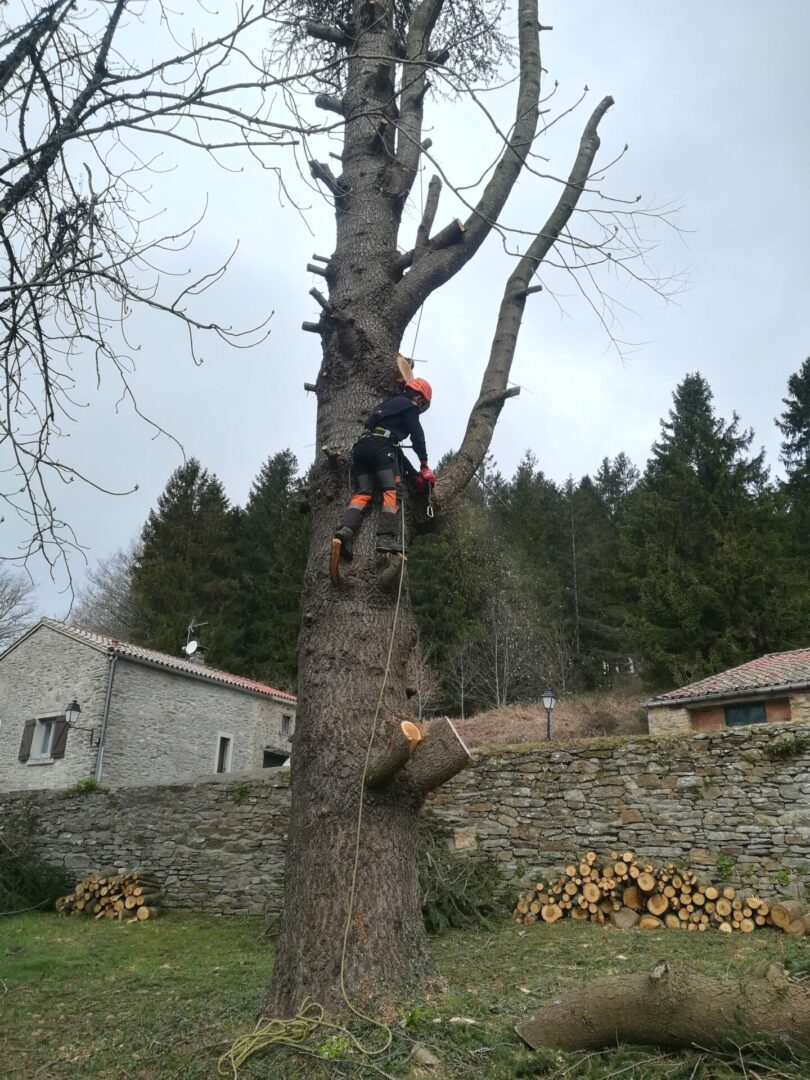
(319, 170)
(329, 33)
(428, 216)
(404, 740)
(671, 1006)
(452, 233)
(321, 299)
(438, 757)
(330, 103)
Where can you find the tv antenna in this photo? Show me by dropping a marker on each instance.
(192, 645)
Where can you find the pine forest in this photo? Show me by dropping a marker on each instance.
(659, 573)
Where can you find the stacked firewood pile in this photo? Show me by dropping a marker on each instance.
(626, 892)
(126, 897)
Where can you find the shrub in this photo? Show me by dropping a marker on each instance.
(599, 724)
(240, 792)
(788, 744)
(724, 867)
(25, 881)
(84, 786)
(456, 892)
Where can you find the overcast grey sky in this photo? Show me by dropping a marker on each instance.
(711, 97)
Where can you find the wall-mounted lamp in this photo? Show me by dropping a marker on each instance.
(72, 713)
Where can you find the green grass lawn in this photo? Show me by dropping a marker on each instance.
(165, 999)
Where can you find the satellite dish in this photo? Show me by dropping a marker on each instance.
(190, 648)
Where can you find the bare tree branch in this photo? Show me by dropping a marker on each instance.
(412, 94)
(77, 260)
(494, 391)
(438, 267)
(17, 604)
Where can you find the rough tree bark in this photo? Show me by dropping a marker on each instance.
(673, 1007)
(373, 292)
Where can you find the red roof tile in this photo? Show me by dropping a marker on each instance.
(776, 671)
(165, 660)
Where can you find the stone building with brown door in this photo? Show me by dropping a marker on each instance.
(146, 717)
(770, 690)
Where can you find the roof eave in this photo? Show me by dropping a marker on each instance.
(201, 677)
(721, 696)
(51, 624)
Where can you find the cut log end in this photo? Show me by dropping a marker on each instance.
(401, 745)
(437, 758)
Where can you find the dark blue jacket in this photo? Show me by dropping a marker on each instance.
(400, 416)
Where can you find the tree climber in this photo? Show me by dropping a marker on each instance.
(377, 460)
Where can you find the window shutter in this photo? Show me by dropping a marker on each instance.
(59, 738)
(27, 739)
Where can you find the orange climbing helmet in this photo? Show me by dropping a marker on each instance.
(420, 386)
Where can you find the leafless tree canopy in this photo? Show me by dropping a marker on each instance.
(17, 606)
(104, 603)
(85, 112)
(469, 30)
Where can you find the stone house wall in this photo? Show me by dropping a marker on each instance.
(800, 707)
(37, 680)
(714, 719)
(669, 720)
(162, 726)
(218, 845)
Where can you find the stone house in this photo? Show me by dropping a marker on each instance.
(146, 717)
(769, 690)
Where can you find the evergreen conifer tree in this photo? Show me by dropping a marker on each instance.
(692, 544)
(274, 537)
(792, 514)
(595, 515)
(186, 568)
(794, 423)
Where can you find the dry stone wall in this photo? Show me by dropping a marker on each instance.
(722, 802)
(216, 846)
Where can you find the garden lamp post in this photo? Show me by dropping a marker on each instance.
(549, 701)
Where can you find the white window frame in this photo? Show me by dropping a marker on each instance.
(228, 757)
(41, 753)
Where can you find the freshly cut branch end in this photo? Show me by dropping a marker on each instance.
(404, 740)
(438, 757)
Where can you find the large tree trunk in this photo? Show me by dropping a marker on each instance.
(374, 291)
(346, 631)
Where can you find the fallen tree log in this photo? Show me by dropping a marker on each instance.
(671, 1006)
